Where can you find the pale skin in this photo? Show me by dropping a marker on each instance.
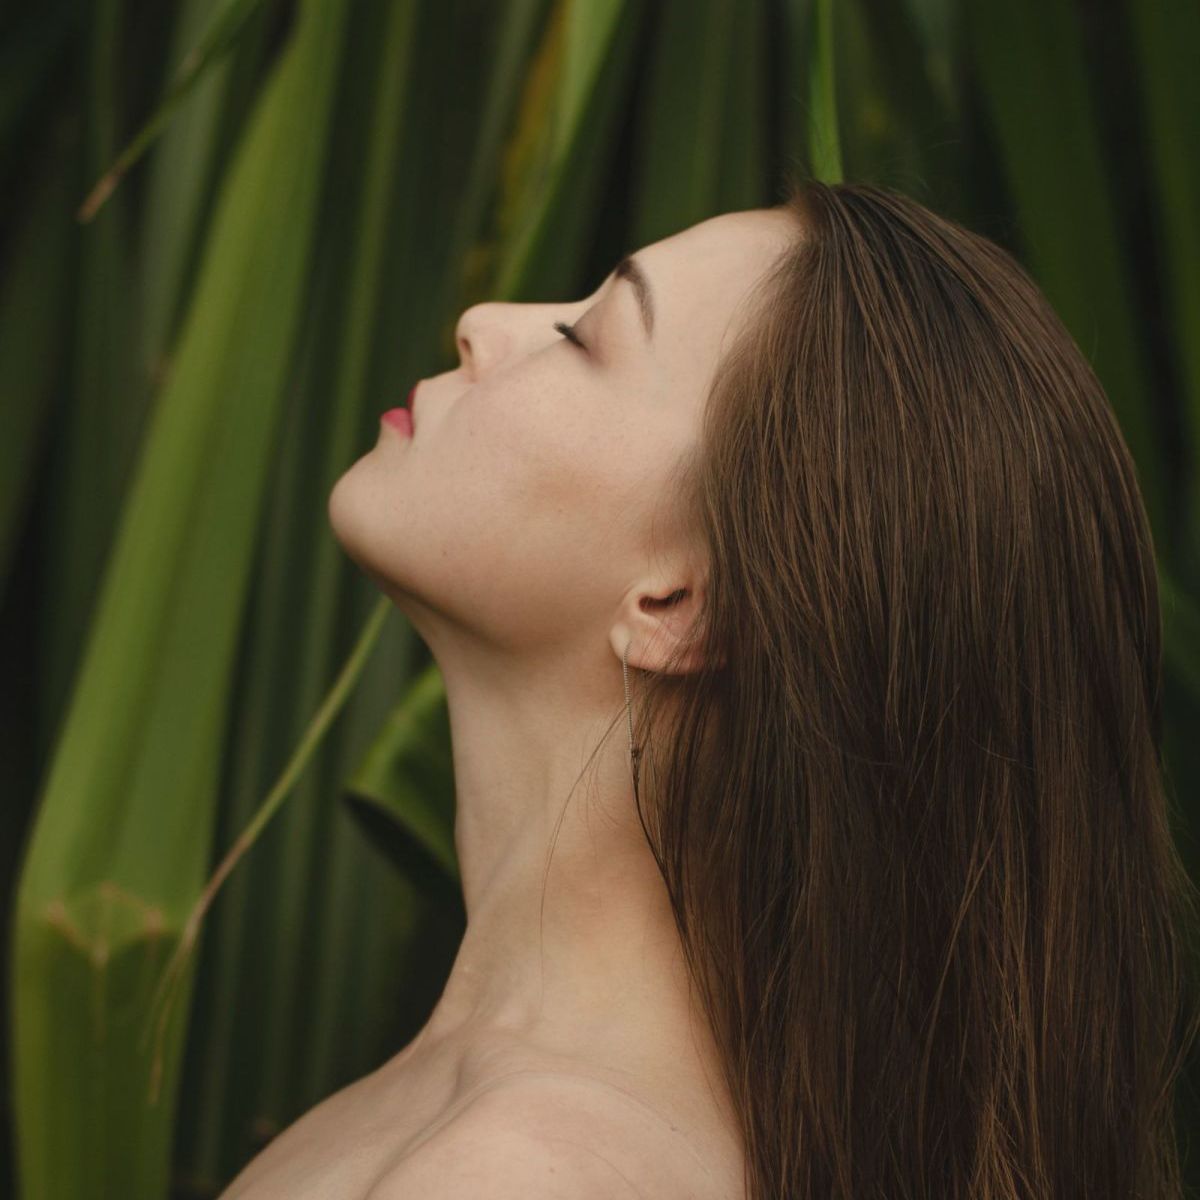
(526, 531)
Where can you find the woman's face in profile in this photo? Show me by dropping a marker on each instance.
(521, 508)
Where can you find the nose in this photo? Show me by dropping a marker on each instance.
(488, 333)
(474, 335)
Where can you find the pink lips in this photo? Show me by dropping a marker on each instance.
(402, 418)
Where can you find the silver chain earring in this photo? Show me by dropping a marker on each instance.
(635, 752)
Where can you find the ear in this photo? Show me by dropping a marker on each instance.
(659, 618)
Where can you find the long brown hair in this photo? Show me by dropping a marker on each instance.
(911, 813)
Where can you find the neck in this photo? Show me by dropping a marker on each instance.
(581, 939)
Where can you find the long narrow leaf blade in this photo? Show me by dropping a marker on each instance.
(121, 840)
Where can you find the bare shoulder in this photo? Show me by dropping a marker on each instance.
(543, 1135)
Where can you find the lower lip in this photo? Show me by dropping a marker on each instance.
(401, 418)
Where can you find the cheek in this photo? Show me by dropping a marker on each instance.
(531, 459)
(537, 507)
(535, 521)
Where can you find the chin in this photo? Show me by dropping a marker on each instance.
(354, 511)
(351, 518)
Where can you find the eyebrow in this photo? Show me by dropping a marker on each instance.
(629, 268)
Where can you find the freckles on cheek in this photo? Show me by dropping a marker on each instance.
(551, 451)
(536, 451)
(582, 477)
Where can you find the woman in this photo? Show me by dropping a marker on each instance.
(869, 891)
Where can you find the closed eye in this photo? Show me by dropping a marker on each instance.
(568, 331)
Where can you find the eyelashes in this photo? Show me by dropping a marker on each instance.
(568, 331)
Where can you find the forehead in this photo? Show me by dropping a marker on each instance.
(700, 276)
